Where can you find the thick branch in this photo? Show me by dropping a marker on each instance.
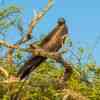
(35, 51)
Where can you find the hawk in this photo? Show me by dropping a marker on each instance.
(52, 43)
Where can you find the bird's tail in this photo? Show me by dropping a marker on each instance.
(30, 65)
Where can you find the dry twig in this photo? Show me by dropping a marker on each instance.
(28, 35)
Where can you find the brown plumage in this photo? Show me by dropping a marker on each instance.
(53, 42)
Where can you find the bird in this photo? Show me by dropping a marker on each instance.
(52, 43)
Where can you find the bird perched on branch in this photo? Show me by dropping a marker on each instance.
(52, 43)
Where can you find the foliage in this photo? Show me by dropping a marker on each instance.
(8, 17)
(45, 84)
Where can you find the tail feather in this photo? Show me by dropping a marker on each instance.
(30, 65)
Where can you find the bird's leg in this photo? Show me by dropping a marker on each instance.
(67, 68)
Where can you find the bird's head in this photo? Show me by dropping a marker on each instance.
(61, 21)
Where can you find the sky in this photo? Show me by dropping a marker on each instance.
(82, 18)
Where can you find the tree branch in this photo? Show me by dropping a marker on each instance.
(35, 21)
(4, 43)
(36, 51)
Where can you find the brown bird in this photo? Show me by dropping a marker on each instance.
(53, 42)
